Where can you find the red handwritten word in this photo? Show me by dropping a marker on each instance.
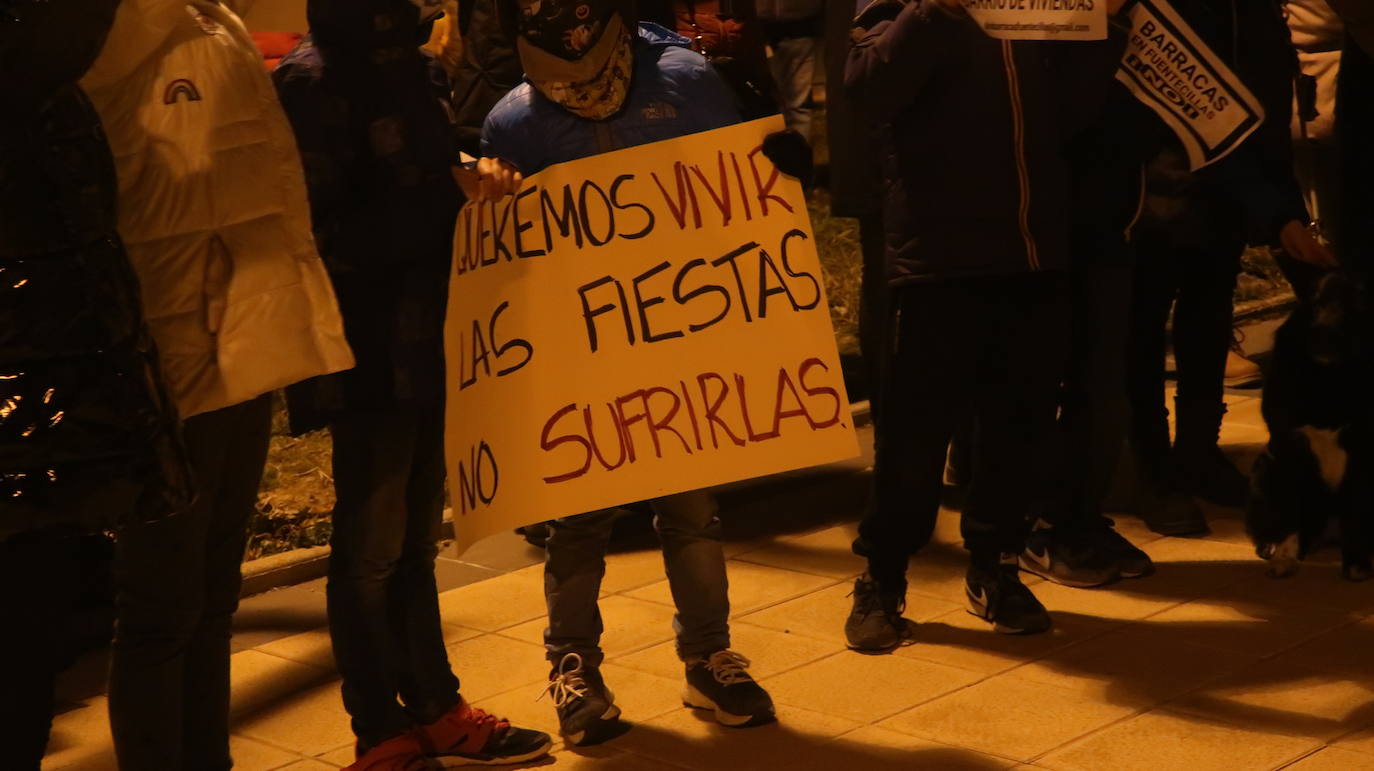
(703, 416)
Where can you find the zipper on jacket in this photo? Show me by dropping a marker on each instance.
(1018, 122)
(1129, 231)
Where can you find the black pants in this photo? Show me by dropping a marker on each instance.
(875, 317)
(1199, 281)
(383, 601)
(1094, 412)
(38, 588)
(178, 587)
(991, 348)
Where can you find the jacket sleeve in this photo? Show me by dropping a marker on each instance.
(894, 57)
(1358, 17)
(1258, 175)
(341, 228)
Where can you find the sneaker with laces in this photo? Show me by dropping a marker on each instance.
(467, 736)
(721, 683)
(587, 712)
(1068, 556)
(875, 625)
(997, 596)
(401, 753)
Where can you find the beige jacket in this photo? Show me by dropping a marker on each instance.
(1318, 35)
(212, 206)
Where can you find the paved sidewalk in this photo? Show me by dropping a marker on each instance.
(1206, 665)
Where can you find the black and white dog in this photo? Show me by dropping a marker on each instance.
(1318, 406)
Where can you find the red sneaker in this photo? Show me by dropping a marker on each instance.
(469, 736)
(404, 753)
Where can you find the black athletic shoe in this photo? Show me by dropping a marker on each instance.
(875, 625)
(1072, 557)
(998, 597)
(587, 713)
(721, 683)
(1131, 561)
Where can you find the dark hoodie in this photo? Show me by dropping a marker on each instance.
(87, 435)
(372, 118)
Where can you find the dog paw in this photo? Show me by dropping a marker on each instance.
(1281, 568)
(1357, 571)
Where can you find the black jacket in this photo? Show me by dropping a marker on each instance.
(974, 135)
(1251, 193)
(371, 117)
(88, 439)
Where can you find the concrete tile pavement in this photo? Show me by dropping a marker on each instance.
(1206, 665)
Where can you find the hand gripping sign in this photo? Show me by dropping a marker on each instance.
(1174, 73)
(1040, 19)
(636, 324)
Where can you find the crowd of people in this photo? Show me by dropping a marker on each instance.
(181, 236)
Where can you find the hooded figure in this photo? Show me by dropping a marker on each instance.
(372, 120)
(87, 435)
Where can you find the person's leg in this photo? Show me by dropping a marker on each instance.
(160, 585)
(244, 431)
(426, 682)
(372, 464)
(1151, 298)
(1072, 542)
(794, 65)
(925, 398)
(1163, 508)
(1022, 359)
(1021, 363)
(1202, 337)
(574, 564)
(695, 564)
(38, 587)
(875, 318)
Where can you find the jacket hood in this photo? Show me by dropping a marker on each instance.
(366, 25)
(140, 28)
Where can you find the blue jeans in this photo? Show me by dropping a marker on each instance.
(383, 601)
(794, 71)
(692, 556)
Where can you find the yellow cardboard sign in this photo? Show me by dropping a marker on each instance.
(635, 324)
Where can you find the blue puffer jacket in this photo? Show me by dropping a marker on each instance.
(674, 91)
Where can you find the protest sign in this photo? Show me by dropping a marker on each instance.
(1040, 19)
(635, 324)
(1176, 74)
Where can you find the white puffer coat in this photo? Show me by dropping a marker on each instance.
(212, 206)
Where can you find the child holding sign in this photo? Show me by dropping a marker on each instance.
(978, 243)
(596, 82)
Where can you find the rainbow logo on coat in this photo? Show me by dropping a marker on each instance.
(181, 87)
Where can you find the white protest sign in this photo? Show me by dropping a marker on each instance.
(1173, 72)
(636, 324)
(1040, 19)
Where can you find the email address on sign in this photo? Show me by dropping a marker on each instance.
(1038, 26)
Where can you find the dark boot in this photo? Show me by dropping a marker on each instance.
(1158, 502)
(1199, 467)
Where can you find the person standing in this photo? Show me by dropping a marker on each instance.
(596, 82)
(88, 435)
(1191, 233)
(213, 209)
(976, 220)
(793, 29)
(371, 117)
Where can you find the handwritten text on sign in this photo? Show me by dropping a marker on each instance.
(635, 324)
(1040, 19)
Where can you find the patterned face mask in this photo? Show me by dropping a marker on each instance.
(578, 53)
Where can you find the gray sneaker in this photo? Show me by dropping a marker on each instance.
(875, 624)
